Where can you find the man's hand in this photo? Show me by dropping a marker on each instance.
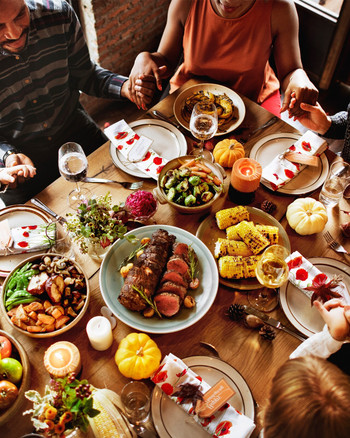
(315, 118)
(18, 159)
(336, 316)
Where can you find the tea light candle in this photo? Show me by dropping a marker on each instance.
(245, 179)
(99, 332)
(62, 358)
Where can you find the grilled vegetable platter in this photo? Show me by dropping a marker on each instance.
(164, 282)
(236, 237)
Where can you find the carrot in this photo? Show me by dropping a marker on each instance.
(202, 174)
(188, 163)
(204, 167)
(217, 181)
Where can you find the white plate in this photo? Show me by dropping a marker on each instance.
(111, 283)
(239, 107)
(208, 232)
(18, 216)
(168, 142)
(172, 422)
(309, 179)
(297, 306)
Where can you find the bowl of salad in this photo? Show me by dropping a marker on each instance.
(190, 184)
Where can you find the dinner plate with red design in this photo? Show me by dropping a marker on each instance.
(297, 306)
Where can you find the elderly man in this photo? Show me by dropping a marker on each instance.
(44, 64)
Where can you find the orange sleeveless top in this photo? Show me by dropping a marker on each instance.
(231, 51)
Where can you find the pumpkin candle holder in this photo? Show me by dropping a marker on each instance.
(245, 179)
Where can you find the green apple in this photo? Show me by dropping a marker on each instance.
(10, 369)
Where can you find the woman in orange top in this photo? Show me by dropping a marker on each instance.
(230, 42)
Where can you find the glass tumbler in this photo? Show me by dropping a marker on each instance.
(136, 398)
(333, 187)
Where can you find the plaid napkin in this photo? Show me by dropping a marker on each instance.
(303, 274)
(30, 238)
(280, 171)
(227, 421)
(135, 148)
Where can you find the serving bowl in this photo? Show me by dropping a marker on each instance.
(160, 194)
(19, 353)
(77, 294)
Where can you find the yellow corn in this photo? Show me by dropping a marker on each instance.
(270, 232)
(250, 265)
(231, 216)
(231, 232)
(236, 267)
(102, 425)
(231, 247)
(252, 237)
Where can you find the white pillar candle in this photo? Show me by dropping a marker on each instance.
(99, 332)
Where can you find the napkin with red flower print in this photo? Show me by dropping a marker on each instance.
(227, 421)
(314, 283)
(280, 171)
(135, 148)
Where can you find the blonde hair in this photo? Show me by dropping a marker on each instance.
(309, 398)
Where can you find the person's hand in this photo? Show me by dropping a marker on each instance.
(8, 174)
(300, 89)
(336, 316)
(20, 159)
(143, 90)
(314, 118)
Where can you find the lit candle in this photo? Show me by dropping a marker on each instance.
(62, 358)
(245, 179)
(99, 332)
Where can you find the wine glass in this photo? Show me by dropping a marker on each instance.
(272, 272)
(72, 164)
(203, 125)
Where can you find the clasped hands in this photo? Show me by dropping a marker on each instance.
(337, 317)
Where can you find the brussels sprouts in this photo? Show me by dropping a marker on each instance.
(171, 194)
(182, 186)
(184, 172)
(194, 180)
(171, 182)
(190, 200)
(207, 196)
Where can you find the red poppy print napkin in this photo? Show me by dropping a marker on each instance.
(30, 238)
(314, 283)
(183, 385)
(135, 148)
(280, 171)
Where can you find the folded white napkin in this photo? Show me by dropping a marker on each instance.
(280, 171)
(227, 421)
(303, 274)
(135, 148)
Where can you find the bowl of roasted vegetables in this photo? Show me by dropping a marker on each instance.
(14, 376)
(190, 185)
(44, 296)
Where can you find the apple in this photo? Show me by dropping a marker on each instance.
(8, 394)
(5, 347)
(11, 369)
(36, 284)
(54, 287)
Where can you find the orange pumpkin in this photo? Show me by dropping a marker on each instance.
(227, 151)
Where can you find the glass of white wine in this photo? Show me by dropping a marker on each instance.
(272, 272)
(203, 125)
(73, 165)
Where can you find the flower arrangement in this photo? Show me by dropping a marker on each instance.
(98, 221)
(65, 406)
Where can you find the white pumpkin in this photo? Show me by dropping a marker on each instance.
(307, 216)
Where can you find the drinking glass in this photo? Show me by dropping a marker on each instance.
(61, 243)
(272, 272)
(332, 189)
(135, 397)
(73, 165)
(203, 125)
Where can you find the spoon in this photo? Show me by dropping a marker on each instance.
(211, 348)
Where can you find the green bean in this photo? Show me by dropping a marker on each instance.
(17, 294)
(21, 301)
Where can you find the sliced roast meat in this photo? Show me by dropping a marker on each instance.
(168, 304)
(175, 277)
(177, 264)
(181, 249)
(174, 288)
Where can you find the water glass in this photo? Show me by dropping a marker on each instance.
(62, 244)
(332, 189)
(136, 398)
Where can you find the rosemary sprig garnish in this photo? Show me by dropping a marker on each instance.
(131, 255)
(193, 260)
(148, 300)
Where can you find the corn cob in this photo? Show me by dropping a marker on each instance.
(231, 247)
(236, 267)
(270, 232)
(251, 236)
(231, 216)
(231, 232)
(250, 265)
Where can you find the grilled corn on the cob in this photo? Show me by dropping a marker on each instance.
(269, 231)
(231, 232)
(252, 237)
(231, 216)
(236, 267)
(231, 247)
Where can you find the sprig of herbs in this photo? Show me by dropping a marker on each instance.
(132, 255)
(193, 261)
(148, 300)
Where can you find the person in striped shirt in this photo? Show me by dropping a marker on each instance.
(44, 64)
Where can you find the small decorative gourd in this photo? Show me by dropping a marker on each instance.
(227, 151)
(138, 356)
(307, 216)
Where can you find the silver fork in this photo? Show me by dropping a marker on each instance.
(334, 244)
(127, 185)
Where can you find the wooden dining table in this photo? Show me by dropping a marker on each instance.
(255, 358)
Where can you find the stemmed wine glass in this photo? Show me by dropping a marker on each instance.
(203, 125)
(72, 164)
(272, 272)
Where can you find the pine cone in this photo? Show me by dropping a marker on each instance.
(346, 229)
(267, 332)
(268, 206)
(236, 312)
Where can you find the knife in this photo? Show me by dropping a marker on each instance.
(271, 321)
(166, 119)
(48, 210)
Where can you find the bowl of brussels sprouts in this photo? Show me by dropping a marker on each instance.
(190, 184)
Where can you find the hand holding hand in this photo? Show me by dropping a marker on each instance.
(314, 118)
(24, 168)
(336, 316)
